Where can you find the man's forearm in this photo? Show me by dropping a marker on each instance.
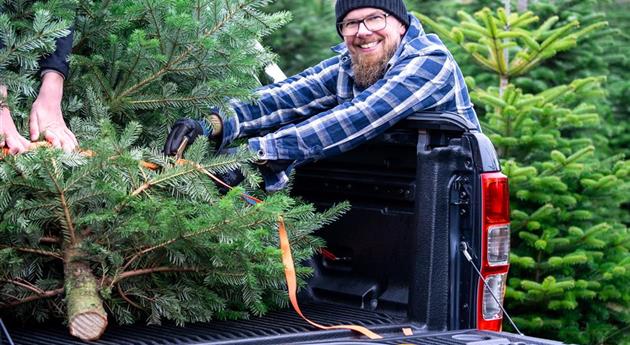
(297, 97)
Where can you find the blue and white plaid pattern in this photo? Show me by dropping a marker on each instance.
(321, 112)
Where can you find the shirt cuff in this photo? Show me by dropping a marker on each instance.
(264, 149)
(276, 178)
(206, 127)
(50, 70)
(230, 129)
(275, 182)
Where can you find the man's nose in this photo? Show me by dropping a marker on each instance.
(363, 30)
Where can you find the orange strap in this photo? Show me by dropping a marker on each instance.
(86, 153)
(289, 273)
(287, 257)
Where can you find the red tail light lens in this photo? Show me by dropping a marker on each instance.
(495, 249)
(496, 198)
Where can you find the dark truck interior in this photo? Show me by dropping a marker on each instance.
(390, 263)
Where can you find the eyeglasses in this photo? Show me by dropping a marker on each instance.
(374, 22)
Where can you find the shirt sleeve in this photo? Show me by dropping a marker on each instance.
(58, 60)
(415, 83)
(300, 96)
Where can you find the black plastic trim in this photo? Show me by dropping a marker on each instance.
(485, 156)
(439, 120)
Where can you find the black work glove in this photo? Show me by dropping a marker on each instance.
(182, 128)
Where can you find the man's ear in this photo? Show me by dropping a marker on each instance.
(402, 30)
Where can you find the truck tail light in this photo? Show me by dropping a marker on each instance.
(495, 249)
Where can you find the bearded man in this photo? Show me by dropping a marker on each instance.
(387, 69)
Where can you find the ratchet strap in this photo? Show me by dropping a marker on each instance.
(285, 247)
(289, 273)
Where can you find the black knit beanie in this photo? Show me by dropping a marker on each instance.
(394, 7)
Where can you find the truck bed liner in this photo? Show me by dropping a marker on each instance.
(268, 329)
(279, 327)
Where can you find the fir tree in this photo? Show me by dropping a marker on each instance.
(569, 262)
(618, 54)
(118, 230)
(307, 39)
(105, 232)
(598, 56)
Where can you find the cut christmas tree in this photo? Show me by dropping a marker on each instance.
(82, 235)
(118, 232)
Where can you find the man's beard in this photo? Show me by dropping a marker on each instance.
(368, 69)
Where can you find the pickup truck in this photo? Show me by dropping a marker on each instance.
(426, 196)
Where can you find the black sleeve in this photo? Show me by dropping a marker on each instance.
(58, 60)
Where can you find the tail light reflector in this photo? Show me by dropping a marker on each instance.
(490, 307)
(498, 244)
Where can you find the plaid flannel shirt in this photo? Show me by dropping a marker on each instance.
(321, 112)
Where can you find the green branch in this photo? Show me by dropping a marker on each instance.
(166, 68)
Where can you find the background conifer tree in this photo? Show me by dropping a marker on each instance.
(618, 54)
(569, 263)
(600, 54)
(118, 231)
(307, 39)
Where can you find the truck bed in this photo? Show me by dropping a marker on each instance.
(280, 327)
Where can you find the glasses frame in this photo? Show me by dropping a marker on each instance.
(362, 21)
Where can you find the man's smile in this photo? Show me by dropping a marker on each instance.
(369, 46)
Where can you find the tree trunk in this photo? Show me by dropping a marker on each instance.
(87, 318)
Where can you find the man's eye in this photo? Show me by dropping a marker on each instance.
(351, 23)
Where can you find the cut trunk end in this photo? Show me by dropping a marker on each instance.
(87, 318)
(88, 325)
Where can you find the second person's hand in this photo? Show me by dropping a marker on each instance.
(46, 119)
(47, 122)
(9, 136)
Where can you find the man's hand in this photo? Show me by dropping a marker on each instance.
(188, 129)
(9, 136)
(46, 118)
